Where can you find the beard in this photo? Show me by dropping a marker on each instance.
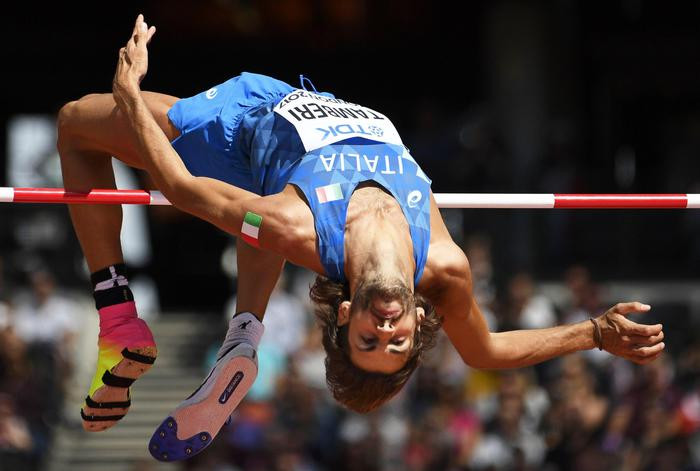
(386, 290)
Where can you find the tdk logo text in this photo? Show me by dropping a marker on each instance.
(344, 129)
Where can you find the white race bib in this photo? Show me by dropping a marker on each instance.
(321, 120)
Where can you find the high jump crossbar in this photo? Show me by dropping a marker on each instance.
(444, 200)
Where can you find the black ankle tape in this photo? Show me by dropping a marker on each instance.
(112, 296)
(106, 273)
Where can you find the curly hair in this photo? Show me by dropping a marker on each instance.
(357, 389)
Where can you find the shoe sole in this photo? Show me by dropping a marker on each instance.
(126, 368)
(193, 425)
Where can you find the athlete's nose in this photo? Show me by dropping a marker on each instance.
(385, 326)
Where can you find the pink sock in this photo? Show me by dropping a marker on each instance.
(120, 323)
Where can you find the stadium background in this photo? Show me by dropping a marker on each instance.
(500, 96)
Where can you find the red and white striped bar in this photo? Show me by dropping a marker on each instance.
(59, 195)
(444, 200)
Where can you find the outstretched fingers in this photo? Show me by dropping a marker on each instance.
(141, 35)
(133, 58)
(140, 27)
(632, 328)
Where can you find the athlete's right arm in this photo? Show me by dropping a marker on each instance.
(266, 222)
(219, 203)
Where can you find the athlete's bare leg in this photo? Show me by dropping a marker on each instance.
(258, 273)
(192, 426)
(91, 131)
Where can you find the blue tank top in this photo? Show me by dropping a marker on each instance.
(328, 177)
(326, 147)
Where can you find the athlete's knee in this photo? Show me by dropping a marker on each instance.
(65, 125)
(69, 117)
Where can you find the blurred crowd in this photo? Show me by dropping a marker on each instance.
(38, 326)
(586, 411)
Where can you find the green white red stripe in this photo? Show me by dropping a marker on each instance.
(251, 228)
(329, 193)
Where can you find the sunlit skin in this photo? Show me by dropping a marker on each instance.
(380, 338)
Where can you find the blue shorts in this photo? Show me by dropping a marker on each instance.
(210, 123)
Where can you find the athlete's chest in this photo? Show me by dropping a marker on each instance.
(369, 197)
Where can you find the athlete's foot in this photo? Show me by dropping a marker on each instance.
(194, 424)
(126, 351)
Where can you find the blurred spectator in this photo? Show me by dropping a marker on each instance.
(21, 406)
(309, 359)
(478, 251)
(512, 416)
(15, 439)
(583, 295)
(44, 316)
(36, 358)
(524, 307)
(577, 418)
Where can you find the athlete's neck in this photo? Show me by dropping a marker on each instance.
(378, 244)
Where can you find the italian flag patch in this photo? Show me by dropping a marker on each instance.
(251, 228)
(329, 193)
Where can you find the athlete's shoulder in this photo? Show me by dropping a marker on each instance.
(446, 260)
(447, 267)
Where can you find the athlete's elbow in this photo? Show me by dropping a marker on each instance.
(174, 196)
(486, 357)
(179, 192)
(287, 235)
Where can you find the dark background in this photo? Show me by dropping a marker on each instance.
(490, 96)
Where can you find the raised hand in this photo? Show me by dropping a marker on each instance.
(133, 61)
(639, 343)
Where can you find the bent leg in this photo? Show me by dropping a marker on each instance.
(192, 426)
(91, 131)
(258, 272)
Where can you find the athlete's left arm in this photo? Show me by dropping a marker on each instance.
(467, 330)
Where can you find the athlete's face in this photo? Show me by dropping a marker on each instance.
(382, 320)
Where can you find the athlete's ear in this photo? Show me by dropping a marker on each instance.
(343, 313)
(420, 315)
